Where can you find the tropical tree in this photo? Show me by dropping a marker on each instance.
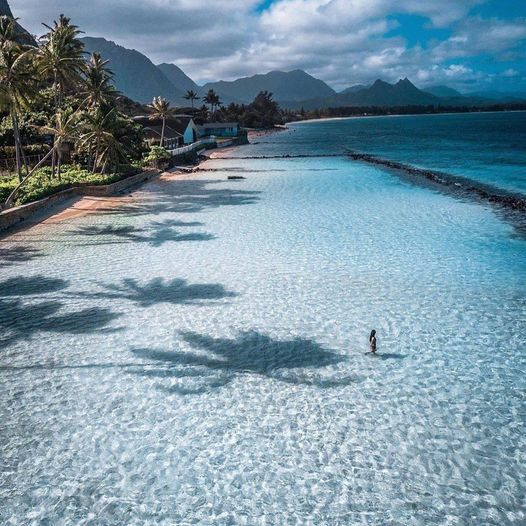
(97, 87)
(212, 98)
(192, 96)
(160, 109)
(61, 57)
(16, 81)
(64, 130)
(98, 137)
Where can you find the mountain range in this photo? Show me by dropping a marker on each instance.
(294, 86)
(293, 89)
(139, 79)
(136, 76)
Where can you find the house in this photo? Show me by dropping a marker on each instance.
(186, 126)
(219, 129)
(172, 138)
(178, 131)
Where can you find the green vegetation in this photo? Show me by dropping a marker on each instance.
(192, 96)
(57, 109)
(262, 112)
(156, 156)
(42, 184)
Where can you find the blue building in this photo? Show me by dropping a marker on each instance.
(219, 129)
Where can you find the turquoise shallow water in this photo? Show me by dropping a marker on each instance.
(197, 357)
(486, 147)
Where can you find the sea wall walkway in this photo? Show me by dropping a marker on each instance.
(16, 215)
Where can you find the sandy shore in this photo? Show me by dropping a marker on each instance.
(92, 205)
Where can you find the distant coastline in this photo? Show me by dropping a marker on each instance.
(391, 115)
(391, 112)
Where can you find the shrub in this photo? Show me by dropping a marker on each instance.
(41, 184)
(7, 185)
(157, 155)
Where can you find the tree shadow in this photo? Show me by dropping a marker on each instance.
(219, 360)
(18, 254)
(177, 291)
(153, 235)
(166, 235)
(20, 321)
(188, 196)
(29, 286)
(122, 232)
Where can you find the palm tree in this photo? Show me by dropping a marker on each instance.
(16, 81)
(64, 131)
(211, 98)
(160, 109)
(192, 96)
(100, 127)
(61, 57)
(98, 85)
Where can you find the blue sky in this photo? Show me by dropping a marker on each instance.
(466, 44)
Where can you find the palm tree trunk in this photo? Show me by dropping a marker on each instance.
(54, 160)
(96, 158)
(16, 134)
(162, 131)
(59, 162)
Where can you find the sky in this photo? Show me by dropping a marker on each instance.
(469, 45)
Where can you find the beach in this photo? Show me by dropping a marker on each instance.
(194, 353)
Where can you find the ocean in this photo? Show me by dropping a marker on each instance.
(197, 355)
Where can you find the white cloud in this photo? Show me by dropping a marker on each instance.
(341, 41)
(476, 35)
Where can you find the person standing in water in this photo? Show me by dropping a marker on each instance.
(372, 341)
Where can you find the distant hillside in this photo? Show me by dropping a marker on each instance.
(443, 91)
(178, 77)
(497, 96)
(23, 35)
(382, 94)
(135, 75)
(354, 89)
(286, 86)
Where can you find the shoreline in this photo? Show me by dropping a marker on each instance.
(73, 207)
(80, 206)
(393, 115)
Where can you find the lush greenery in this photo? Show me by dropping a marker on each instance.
(58, 106)
(41, 184)
(156, 156)
(262, 112)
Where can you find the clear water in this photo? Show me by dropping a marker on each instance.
(486, 147)
(197, 357)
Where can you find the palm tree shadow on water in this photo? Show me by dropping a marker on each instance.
(185, 196)
(218, 361)
(12, 255)
(26, 310)
(176, 291)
